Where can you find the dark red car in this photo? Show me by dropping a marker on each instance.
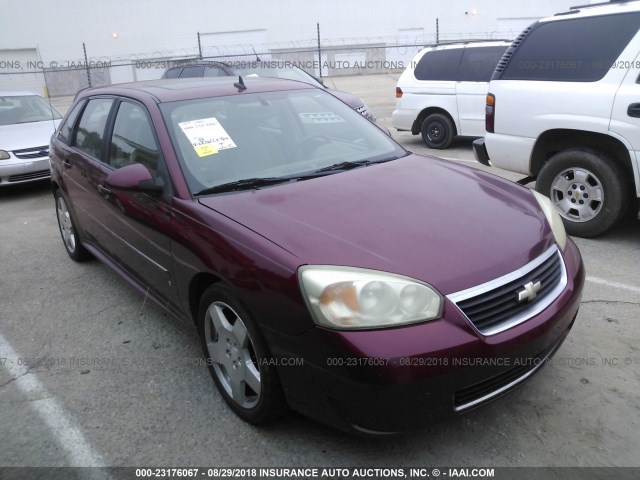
(325, 268)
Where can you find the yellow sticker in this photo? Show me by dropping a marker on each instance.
(204, 150)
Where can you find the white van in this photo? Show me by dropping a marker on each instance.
(442, 92)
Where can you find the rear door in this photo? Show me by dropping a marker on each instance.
(476, 68)
(82, 162)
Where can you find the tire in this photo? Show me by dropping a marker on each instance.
(68, 230)
(587, 187)
(437, 131)
(237, 358)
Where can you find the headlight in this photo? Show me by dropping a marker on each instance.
(4, 155)
(351, 298)
(554, 219)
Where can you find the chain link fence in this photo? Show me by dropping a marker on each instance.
(366, 67)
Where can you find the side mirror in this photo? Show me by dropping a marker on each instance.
(135, 177)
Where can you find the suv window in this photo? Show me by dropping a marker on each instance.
(90, 132)
(478, 63)
(577, 50)
(439, 65)
(132, 140)
(66, 129)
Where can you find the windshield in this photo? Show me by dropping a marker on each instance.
(26, 109)
(254, 140)
(292, 73)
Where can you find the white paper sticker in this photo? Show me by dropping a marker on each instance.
(207, 136)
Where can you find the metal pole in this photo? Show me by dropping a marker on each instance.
(199, 46)
(86, 63)
(319, 51)
(437, 30)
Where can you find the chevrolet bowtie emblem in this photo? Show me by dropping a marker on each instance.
(529, 291)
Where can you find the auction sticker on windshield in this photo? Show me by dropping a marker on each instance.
(207, 136)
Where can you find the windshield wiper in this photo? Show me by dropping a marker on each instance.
(244, 184)
(342, 166)
(250, 183)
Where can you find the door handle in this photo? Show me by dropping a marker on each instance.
(634, 110)
(104, 191)
(66, 163)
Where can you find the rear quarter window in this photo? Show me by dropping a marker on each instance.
(576, 50)
(67, 127)
(439, 65)
(478, 63)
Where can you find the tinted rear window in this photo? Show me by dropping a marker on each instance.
(577, 50)
(439, 65)
(478, 63)
(190, 72)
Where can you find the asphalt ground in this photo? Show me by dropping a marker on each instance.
(91, 374)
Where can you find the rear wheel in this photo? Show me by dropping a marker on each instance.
(237, 357)
(587, 187)
(437, 131)
(68, 230)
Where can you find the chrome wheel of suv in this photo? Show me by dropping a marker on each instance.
(577, 194)
(588, 189)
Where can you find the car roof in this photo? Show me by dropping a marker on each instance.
(174, 89)
(595, 10)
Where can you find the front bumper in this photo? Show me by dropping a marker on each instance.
(480, 152)
(387, 381)
(14, 171)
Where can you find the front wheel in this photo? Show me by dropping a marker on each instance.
(237, 357)
(437, 131)
(587, 187)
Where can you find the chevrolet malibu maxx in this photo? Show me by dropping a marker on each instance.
(325, 268)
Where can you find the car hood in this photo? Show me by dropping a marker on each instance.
(451, 226)
(26, 135)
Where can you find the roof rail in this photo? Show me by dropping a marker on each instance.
(472, 40)
(577, 7)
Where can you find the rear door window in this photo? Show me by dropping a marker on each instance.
(576, 50)
(439, 65)
(89, 136)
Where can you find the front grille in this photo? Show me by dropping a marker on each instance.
(514, 298)
(33, 152)
(487, 390)
(24, 177)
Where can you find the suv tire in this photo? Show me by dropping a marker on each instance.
(587, 187)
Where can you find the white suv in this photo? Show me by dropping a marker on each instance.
(442, 91)
(564, 109)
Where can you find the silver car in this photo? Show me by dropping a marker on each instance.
(27, 122)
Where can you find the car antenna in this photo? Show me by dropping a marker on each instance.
(257, 57)
(240, 83)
